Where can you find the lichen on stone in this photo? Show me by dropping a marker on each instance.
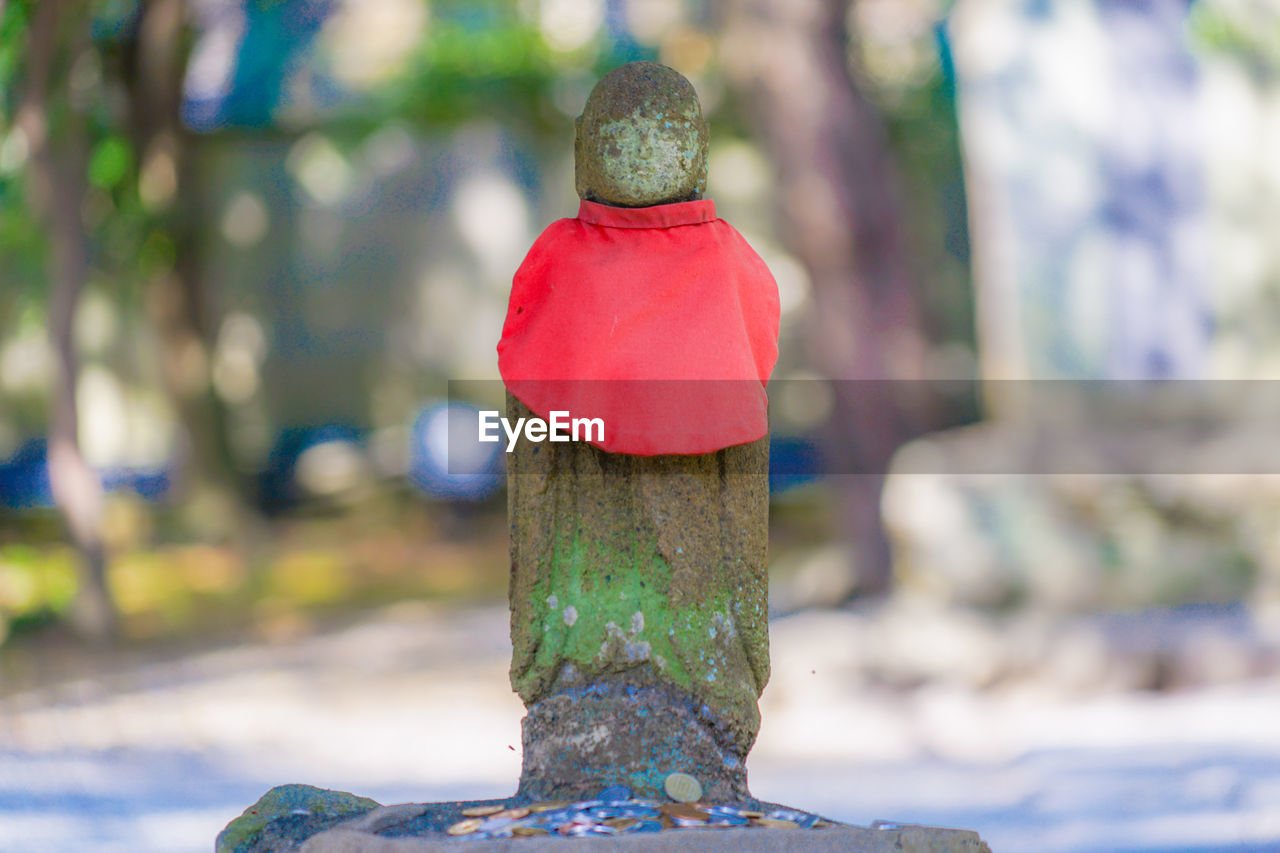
(685, 537)
(641, 139)
(284, 800)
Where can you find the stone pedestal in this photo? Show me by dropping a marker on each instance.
(892, 838)
(302, 819)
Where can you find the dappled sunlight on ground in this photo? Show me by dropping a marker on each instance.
(412, 703)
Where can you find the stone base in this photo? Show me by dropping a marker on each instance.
(836, 839)
(303, 819)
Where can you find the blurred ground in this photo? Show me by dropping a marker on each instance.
(157, 751)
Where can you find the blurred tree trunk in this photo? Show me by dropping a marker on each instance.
(179, 306)
(838, 209)
(56, 136)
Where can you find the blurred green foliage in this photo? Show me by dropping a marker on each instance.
(22, 243)
(311, 568)
(1247, 32)
(110, 162)
(34, 583)
(502, 69)
(89, 104)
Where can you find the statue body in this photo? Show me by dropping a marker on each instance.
(639, 615)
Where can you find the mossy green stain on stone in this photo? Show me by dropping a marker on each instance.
(602, 638)
(679, 540)
(283, 800)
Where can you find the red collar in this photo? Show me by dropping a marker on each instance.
(658, 216)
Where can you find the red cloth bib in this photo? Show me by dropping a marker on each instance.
(661, 321)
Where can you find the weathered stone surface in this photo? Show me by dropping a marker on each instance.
(385, 817)
(641, 139)
(424, 823)
(317, 808)
(650, 566)
(627, 730)
(844, 839)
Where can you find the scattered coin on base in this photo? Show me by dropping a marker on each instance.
(528, 831)
(514, 813)
(609, 816)
(465, 827)
(683, 788)
(684, 811)
(615, 793)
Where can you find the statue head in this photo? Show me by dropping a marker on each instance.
(641, 139)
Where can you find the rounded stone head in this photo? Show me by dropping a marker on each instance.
(641, 139)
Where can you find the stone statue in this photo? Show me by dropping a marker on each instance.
(638, 563)
(638, 587)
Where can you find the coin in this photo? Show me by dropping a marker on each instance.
(775, 823)
(615, 793)
(683, 788)
(685, 822)
(728, 820)
(482, 811)
(684, 811)
(634, 809)
(546, 807)
(514, 813)
(465, 827)
(622, 824)
(581, 829)
(604, 812)
(527, 831)
(724, 810)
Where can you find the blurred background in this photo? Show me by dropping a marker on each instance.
(246, 244)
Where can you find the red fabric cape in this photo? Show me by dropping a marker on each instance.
(661, 321)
